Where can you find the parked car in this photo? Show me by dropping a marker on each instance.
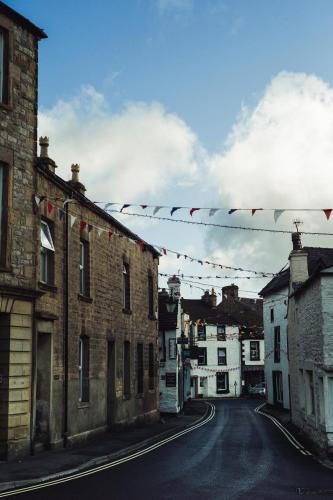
(258, 389)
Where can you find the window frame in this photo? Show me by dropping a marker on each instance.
(255, 356)
(220, 335)
(272, 314)
(84, 368)
(222, 349)
(126, 286)
(46, 253)
(202, 351)
(277, 344)
(84, 268)
(4, 197)
(225, 389)
(4, 66)
(150, 285)
(201, 335)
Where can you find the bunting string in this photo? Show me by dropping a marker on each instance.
(184, 276)
(221, 226)
(277, 212)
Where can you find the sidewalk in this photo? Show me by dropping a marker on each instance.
(97, 451)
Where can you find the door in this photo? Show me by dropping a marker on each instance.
(277, 388)
(43, 389)
(111, 367)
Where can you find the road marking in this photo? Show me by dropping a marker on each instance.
(285, 431)
(114, 463)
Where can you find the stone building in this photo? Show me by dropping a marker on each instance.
(78, 304)
(310, 336)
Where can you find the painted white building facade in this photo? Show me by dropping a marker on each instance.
(253, 361)
(275, 308)
(217, 371)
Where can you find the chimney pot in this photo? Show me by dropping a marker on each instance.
(44, 146)
(75, 168)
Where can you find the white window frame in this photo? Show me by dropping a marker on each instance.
(46, 250)
(82, 267)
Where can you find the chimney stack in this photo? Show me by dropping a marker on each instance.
(230, 293)
(298, 263)
(75, 180)
(44, 159)
(209, 298)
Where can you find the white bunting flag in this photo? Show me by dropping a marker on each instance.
(213, 211)
(99, 231)
(277, 214)
(156, 209)
(73, 219)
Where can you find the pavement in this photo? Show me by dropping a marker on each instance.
(53, 464)
(237, 454)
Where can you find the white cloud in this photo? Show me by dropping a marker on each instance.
(278, 155)
(123, 156)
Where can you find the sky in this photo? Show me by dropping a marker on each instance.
(200, 103)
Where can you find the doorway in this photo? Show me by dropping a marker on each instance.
(111, 371)
(43, 388)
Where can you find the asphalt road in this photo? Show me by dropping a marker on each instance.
(237, 455)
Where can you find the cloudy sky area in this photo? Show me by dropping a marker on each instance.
(199, 103)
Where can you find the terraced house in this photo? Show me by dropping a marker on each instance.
(78, 290)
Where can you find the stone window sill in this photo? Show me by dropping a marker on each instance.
(84, 298)
(127, 311)
(47, 287)
(83, 404)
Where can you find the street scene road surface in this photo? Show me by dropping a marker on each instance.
(239, 454)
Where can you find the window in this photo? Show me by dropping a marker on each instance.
(277, 388)
(126, 287)
(3, 66)
(127, 369)
(172, 349)
(272, 315)
(310, 401)
(46, 254)
(150, 296)
(84, 368)
(301, 389)
(203, 381)
(151, 366)
(277, 346)
(221, 356)
(139, 367)
(84, 268)
(202, 355)
(201, 332)
(220, 332)
(254, 350)
(222, 382)
(3, 210)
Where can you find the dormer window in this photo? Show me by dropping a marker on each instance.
(3, 66)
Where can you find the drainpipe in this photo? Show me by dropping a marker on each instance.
(65, 328)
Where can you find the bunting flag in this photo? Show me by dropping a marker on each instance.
(178, 255)
(173, 210)
(110, 235)
(327, 212)
(232, 210)
(90, 228)
(99, 231)
(143, 206)
(82, 225)
(194, 210)
(49, 207)
(156, 209)
(141, 244)
(213, 211)
(124, 206)
(277, 214)
(39, 199)
(61, 214)
(254, 210)
(164, 251)
(72, 220)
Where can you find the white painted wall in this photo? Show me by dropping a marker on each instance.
(278, 301)
(246, 351)
(208, 372)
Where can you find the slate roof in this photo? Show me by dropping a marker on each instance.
(318, 259)
(229, 312)
(167, 320)
(21, 20)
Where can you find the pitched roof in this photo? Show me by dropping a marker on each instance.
(21, 20)
(318, 259)
(167, 320)
(230, 312)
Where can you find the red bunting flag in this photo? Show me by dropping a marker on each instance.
(327, 212)
(193, 210)
(110, 235)
(82, 225)
(253, 210)
(141, 244)
(49, 208)
(164, 251)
